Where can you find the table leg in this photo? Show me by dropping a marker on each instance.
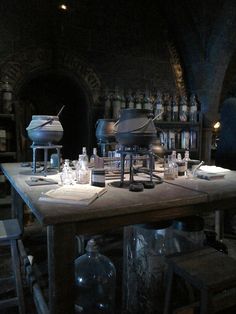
(219, 224)
(17, 207)
(45, 161)
(61, 256)
(34, 159)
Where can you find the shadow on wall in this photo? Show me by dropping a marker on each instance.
(226, 148)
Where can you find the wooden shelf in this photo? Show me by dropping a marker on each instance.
(8, 154)
(5, 200)
(7, 116)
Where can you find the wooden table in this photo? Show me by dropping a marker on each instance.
(116, 208)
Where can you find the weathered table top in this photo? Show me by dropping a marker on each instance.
(162, 201)
(117, 207)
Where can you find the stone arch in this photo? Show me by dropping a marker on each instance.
(25, 66)
(21, 65)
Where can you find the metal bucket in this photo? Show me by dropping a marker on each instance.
(45, 130)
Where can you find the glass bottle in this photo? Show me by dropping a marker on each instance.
(67, 175)
(122, 101)
(174, 162)
(183, 109)
(147, 102)
(116, 104)
(158, 107)
(138, 101)
(84, 153)
(82, 170)
(6, 91)
(169, 173)
(93, 157)
(193, 109)
(130, 100)
(107, 105)
(167, 107)
(2, 185)
(175, 108)
(95, 279)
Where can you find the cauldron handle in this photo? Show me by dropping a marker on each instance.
(39, 126)
(158, 115)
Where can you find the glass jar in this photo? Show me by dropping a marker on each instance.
(95, 279)
(146, 248)
(188, 233)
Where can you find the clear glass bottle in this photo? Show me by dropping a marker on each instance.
(122, 101)
(116, 104)
(93, 157)
(158, 107)
(107, 105)
(82, 170)
(167, 107)
(67, 174)
(193, 109)
(130, 100)
(95, 279)
(174, 162)
(169, 171)
(147, 104)
(175, 108)
(183, 109)
(138, 101)
(84, 153)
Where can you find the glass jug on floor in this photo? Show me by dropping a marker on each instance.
(95, 278)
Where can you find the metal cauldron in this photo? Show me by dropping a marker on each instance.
(45, 130)
(105, 131)
(136, 127)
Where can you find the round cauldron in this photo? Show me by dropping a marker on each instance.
(105, 131)
(45, 130)
(136, 127)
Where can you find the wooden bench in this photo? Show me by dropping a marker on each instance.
(10, 232)
(211, 272)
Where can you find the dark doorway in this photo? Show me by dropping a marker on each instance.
(46, 94)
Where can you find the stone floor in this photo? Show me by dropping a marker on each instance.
(111, 245)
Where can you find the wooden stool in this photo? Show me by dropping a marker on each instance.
(9, 234)
(211, 272)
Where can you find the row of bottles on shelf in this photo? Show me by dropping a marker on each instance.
(165, 106)
(5, 139)
(179, 139)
